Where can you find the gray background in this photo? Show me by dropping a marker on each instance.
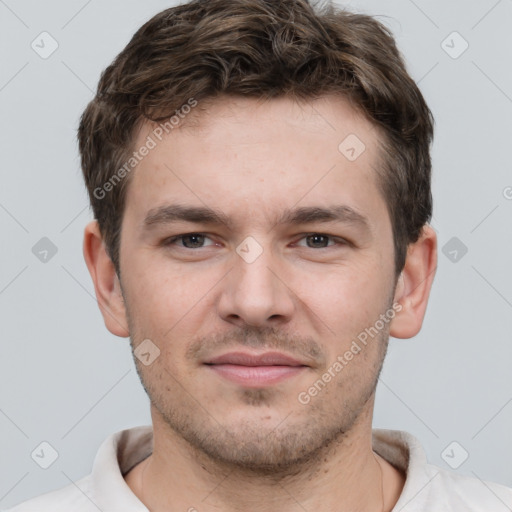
(66, 380)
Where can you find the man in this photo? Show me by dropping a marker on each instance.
(260, 178)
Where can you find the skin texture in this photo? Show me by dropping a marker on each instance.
(259, 447)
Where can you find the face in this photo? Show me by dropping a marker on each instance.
(256, 255)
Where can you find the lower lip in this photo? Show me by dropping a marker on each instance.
(256, 376)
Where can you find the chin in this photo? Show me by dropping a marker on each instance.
(262, 443)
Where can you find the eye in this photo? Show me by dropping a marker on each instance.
(189, 240)
(321, 240)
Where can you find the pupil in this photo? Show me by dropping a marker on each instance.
(317, 237)
(189, 237)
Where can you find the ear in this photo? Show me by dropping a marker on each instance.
(106, 283)
(414, 284)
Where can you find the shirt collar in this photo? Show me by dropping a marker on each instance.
(405, 452)
(116, 456)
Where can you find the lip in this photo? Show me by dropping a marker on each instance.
(247, 359)
(255, 370)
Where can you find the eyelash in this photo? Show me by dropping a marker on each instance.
(337, 240)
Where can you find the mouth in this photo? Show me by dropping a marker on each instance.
(256, 370)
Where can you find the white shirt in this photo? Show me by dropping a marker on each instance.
(427, 488)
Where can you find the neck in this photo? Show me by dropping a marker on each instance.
(346, 476)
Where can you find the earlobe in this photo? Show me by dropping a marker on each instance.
(106, 283)
(414, 285)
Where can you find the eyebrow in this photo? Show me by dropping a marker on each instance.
(168, 214)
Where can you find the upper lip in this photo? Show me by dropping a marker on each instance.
(247, 359)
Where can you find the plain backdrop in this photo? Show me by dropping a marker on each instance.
(65, 380)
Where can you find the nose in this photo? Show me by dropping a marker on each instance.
(257, 292)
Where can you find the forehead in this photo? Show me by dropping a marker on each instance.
(263, 155)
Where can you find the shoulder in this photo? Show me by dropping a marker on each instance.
(104, 488)
(454, 491)
(428, 487)
(77, 496)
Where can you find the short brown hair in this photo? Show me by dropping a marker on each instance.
(261, 49)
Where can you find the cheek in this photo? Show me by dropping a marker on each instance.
(339, 305)
(346, 297)
(169, 305)
(159, 287)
